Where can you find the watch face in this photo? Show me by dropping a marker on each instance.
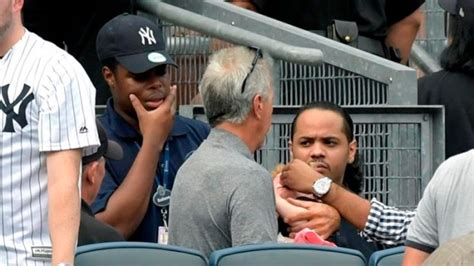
(322, 186)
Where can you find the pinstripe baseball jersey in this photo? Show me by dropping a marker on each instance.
(46, 104)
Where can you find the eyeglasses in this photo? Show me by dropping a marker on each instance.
(258, 55)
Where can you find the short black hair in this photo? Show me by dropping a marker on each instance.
(353, 175)
(111, 63)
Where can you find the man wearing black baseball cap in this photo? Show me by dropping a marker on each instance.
(93, 170)
(140, 116)
(108, 149)
(444, 212)
(135, 42)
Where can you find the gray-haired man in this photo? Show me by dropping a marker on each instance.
(221, 196)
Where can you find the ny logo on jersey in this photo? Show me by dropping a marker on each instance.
(148, 35)
(23, 99)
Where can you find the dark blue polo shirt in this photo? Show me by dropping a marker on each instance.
(186, 136)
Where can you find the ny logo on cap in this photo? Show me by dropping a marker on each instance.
(148, 35)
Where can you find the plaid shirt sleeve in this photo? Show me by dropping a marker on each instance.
(387, 225)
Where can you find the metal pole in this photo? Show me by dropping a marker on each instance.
(276, 49)
(423, 60)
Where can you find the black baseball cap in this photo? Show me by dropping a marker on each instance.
(134, 41)
(108, 148)
(461, 8)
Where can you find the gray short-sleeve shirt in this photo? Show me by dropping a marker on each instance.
(445, 211)
(222, 198)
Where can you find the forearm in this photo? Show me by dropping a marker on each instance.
(382, 224)
(352, 207)
(63, 203)
(286, 209)
(387, 225)
(247, 4)
(63, 216)
(414, 257)
(128, 204)
(402, 34)
(378, 222)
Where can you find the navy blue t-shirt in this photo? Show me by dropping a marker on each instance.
(185, 137)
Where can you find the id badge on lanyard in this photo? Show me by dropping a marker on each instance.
(161, 198)
(162, 195)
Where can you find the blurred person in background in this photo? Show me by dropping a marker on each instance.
(453, 86)
(385, 28)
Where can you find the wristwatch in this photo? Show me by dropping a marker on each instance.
(321, 186)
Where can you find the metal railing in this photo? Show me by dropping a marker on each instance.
(431, 39)
(432, 36)
(423, 60)
(207, 26)
(348, 76)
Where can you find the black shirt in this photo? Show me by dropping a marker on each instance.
(456, 92)
(93, 231)
(373, 17)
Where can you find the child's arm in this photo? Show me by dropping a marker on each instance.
(284, 208)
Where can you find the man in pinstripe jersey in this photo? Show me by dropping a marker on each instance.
(46, 118)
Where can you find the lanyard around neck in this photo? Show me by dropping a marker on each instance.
(163, 166)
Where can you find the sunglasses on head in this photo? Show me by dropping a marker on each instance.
(258, 55)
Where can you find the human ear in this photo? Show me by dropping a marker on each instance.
(92, 172)
(352, 151)
(109, 77)
(258, 106)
